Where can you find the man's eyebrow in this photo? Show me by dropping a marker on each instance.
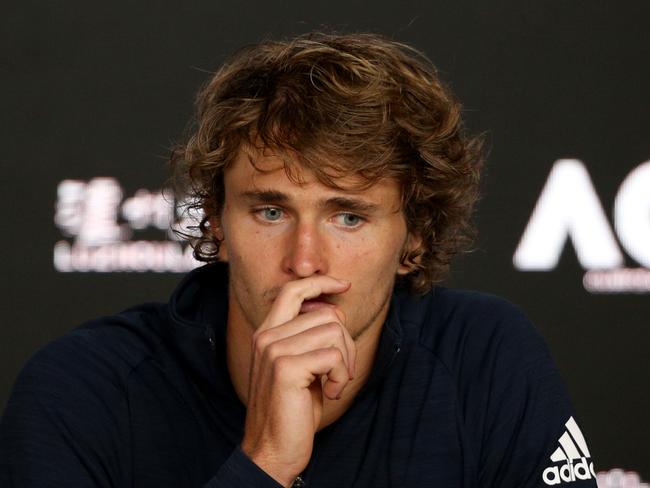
(339, 203)
(264, 196)
(351, 204)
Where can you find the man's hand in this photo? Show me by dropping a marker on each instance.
(296, 359)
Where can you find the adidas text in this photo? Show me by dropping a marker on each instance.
(555, 475)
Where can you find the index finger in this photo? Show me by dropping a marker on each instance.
(288, 302)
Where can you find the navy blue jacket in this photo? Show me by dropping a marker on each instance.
(463, 393)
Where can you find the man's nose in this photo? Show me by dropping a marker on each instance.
(305, 253)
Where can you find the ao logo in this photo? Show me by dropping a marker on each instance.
(569, 207)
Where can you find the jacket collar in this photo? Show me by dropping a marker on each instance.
(198, 311)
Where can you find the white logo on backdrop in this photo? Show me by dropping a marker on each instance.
(102, 226)
(569, 208)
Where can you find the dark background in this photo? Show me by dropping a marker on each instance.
(103, 89)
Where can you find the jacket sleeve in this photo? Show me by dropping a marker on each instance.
(65, 422)
(529, 436)
(240, 472)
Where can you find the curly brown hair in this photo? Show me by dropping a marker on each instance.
(343, 104)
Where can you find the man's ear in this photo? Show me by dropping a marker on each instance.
(217, 232)
(413, 243)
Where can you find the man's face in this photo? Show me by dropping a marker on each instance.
(275, 231)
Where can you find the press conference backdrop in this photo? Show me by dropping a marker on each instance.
(94, 95)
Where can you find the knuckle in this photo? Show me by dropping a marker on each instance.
(333, 330)
(261, 340)
(280, 367)
(256, 336)
(272, 352)
(334, 354)
(329, 314)
(291, 288)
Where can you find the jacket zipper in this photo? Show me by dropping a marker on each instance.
(298, 483)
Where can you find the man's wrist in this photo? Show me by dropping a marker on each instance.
(282, 474)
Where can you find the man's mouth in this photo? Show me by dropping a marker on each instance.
(315, 303)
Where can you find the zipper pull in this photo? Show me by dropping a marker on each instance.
(209, 333)
(298, 483)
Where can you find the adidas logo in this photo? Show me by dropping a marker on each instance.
(573, 450)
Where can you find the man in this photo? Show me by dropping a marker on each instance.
(336, 182)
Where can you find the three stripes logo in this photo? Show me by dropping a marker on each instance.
(573, 452)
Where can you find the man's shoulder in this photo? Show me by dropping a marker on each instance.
(109, 346)
(455, 312)
(71, 401)
(461, 326)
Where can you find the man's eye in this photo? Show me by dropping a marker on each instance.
(270, 213)
(349, 220)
